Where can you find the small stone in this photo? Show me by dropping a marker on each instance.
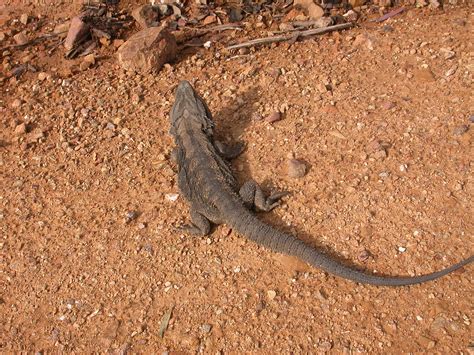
(16, 103)
(271, 294)
(20, 129)
(20, 38)
(130, 216)
(209, 19)
(78, 31)
(402, 249)
(172, 197)
(110, 126)
(450, 72)
(421, 3)
(460, 130)
(385, 3)
(273, 117)
(351, 16)
(2, 36)
(434, 4)
(364, 40)
(364, 255)
(312, 10)
(373, 147)
(403, 168)
(147, 50)
(42, 76)
(136, 99)
(447, 53)
(206, 328)
(24, 19)
(471, 118)
(90, 58)
(296, 168)
(141, 226)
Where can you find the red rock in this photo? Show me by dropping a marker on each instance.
(313, 11)
(209, 19)
(147, 50)
(20, 38)
(78, 31)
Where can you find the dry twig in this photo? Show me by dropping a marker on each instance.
(32, 41)
(293, 36)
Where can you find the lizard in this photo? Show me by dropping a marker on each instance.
(208, 184)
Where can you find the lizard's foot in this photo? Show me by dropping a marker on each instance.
(253, 196)
(229, 152)
(200, 225)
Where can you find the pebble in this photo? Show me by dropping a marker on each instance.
(171, 197)
(271, 294)
(450, 71)
(296, 168)
(42, 76)
(447, 53)
(402, 249)
(20, 129)
(273, 117)
(135, 99)
(206, 328)
(90, 58)
(130, 216)
(363, 255)
(24, 19)
(403, 167)
(460, 130)
(110, 126)
(20, 38)
(16, 103)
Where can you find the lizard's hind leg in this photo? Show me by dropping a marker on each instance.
(253, 196)
(200, 225)
(229, 152)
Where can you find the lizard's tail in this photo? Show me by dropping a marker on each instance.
(263, 234)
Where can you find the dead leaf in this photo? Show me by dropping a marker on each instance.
(164, 322)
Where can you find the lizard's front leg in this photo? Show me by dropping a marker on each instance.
(253, 196)
(200, 225)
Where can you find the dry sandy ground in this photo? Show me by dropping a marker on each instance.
(76, 276)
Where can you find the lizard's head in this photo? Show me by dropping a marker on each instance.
(190, 110)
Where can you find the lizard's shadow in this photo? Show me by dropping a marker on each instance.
(232, 119)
